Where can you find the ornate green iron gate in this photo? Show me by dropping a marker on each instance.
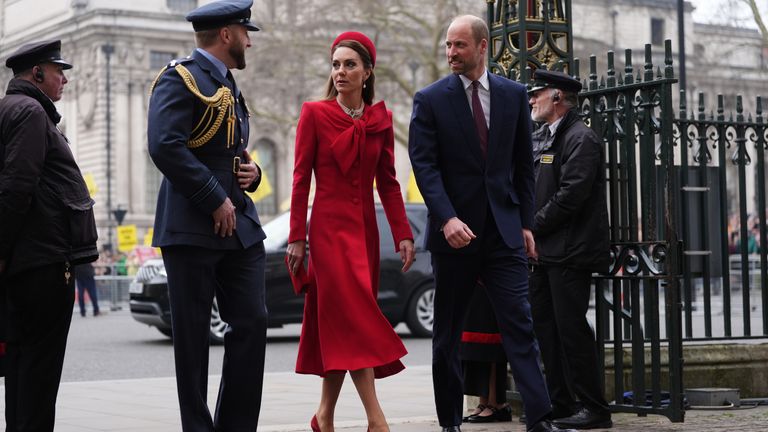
(687, 206)
(638, 303)
(634, 117)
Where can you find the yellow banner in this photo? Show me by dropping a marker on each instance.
(126, 238)
(412, 193)
(265, 188)
(90, 182)
(148, 236)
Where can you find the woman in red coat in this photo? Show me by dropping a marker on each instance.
(347, 141)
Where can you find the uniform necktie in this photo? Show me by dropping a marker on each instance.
(235, 91)
(479, 115)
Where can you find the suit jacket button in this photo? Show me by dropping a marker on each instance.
(355, 183)
(355, 200)
(241, 140)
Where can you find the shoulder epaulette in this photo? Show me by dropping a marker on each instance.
(172, 64)
(218, 106)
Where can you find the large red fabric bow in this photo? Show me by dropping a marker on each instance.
(347, 146)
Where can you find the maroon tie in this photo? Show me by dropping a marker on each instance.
(477, 112)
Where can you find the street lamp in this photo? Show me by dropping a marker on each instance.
(108, 49)
(119, 214)
(681, 41)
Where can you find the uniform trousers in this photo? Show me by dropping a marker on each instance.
(559, 300)
(504, 273)
(39, 304)
(236, 277)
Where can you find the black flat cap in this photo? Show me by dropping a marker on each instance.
(554, 79)
(34, 53)
(221, 13)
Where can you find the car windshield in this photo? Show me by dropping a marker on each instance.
(277, 232)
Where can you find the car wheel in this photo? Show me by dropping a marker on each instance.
(166, 331)
(421, 311)
(218, 327)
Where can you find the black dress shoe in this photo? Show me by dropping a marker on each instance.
(547, 426)
(585, 419)
(452, 429)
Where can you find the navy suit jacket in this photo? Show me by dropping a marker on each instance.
(454, 177)
(197, 180)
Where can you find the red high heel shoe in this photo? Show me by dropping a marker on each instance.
(313, 424)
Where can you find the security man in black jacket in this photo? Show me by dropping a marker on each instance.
(205, 224)
(46, 228)
(571, 233)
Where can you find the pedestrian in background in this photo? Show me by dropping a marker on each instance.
(85, 280)
(348, 142)
(46, 229)
(571, 232)
(205, 224)
(470, 148)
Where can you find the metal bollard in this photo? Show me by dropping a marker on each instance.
(114, 297)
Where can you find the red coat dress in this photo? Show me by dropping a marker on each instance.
(343, 327)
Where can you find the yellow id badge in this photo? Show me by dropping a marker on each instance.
(547, 158)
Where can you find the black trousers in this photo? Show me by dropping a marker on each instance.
(236, 277)
(87, 284)
(559, 301)
(39, 305)
(505, 275)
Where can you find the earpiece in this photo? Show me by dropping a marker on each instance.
(556, 97)
(39, 76)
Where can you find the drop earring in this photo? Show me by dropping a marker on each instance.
(364, 85)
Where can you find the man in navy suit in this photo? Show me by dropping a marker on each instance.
(205, 224)
(470, 147)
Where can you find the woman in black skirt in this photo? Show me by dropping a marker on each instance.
(484, 361)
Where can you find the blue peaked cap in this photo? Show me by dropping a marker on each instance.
(220, 13)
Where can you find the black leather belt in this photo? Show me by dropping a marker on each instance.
(224, 163)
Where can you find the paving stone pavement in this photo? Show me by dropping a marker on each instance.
(149, 405)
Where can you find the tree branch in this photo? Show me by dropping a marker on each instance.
(758, 20)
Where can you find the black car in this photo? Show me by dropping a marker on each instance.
(403, 297)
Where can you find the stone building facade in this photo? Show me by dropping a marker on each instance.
(288, 64)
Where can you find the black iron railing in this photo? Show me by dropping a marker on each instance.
(638, 302)
(687, 206)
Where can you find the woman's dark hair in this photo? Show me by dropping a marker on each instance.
(368, 90)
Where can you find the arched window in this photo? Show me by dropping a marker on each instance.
(266, 196)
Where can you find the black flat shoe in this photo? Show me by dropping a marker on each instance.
(452, 429)
(480, 407)
(497, 415)
(477, 418)
(504, 413)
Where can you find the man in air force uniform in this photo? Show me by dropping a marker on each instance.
(206, 226)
